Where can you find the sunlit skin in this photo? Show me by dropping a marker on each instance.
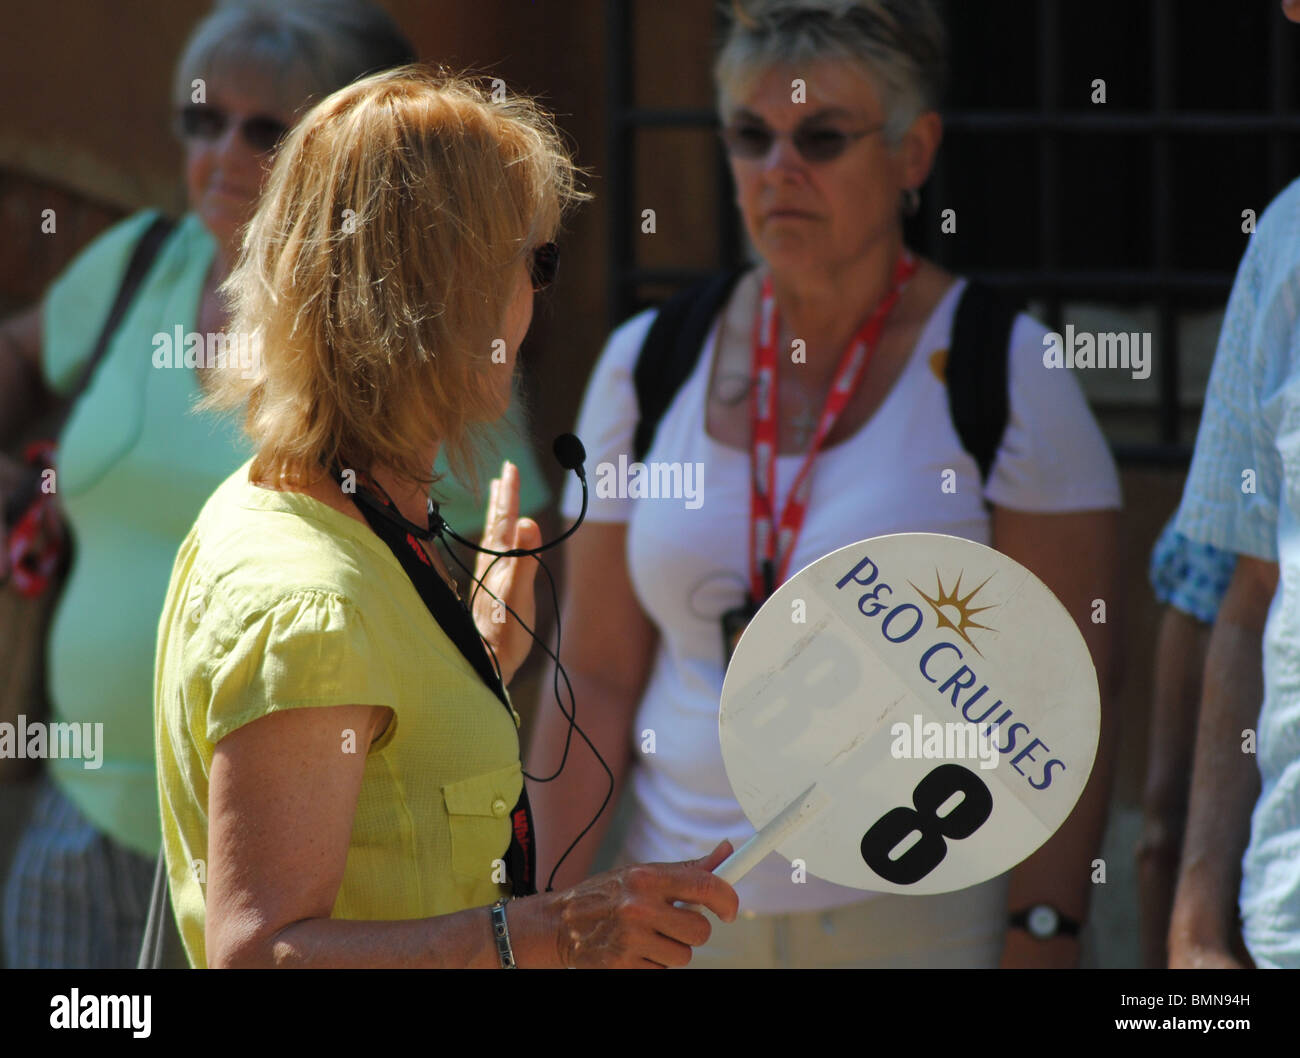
(224, 177)
(830, 232)
(816, 216)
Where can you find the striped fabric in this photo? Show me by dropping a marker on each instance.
(74, 897)
(1243, 495)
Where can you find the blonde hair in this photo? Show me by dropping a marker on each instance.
(901, 46)
(375, 276)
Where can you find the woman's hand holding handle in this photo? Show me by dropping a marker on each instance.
(627, 918)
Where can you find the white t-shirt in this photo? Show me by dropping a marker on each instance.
(687, 556)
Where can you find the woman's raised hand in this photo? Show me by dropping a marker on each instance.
(509, 579)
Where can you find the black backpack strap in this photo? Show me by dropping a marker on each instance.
(142, 257)
(671, 349)
(976, 374)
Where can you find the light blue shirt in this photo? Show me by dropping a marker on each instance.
(1243, 494)
(1190, 576)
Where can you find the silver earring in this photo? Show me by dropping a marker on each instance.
(911, 201)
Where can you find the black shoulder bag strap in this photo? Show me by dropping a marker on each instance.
(976, 375)
(142, 257)
(454, 619)
(671, 349)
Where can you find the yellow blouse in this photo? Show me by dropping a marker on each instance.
(277, 601)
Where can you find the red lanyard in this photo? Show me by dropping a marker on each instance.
(768, 569)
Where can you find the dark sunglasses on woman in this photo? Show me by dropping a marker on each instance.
(751, 141)
(543, 265)
(201, 121)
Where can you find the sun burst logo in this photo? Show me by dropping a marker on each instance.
(953, 601)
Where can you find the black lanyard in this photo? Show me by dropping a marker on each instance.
(455, 620)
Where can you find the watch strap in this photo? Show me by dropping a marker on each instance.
(501, 934)
(1065, 926)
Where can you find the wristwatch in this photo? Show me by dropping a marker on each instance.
(1043, 922)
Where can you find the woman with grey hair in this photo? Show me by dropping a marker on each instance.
(135, 465)
(828, 113)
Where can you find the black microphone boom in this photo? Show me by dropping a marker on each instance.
(571, 455)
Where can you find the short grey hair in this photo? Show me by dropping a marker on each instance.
(901, 45)
(309, 48)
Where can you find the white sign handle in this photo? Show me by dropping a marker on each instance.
(790, 819)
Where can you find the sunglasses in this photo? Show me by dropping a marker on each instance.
(751, 141)
(543, 265)
(199, 121)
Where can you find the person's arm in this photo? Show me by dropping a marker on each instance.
(1076, 556)
(281, 804)
(608, 646)
(1181, 646)
(1225, 781)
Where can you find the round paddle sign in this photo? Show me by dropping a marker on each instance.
(914, 713)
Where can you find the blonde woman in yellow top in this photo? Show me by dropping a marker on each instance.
(338, 767)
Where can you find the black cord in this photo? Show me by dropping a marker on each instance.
(435, 531)
(571, 715)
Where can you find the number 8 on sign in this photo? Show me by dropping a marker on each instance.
(932, 793)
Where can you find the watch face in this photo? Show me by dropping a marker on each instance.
(1043, 921)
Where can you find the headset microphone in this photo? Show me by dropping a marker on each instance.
(569, 451)
(571, 455)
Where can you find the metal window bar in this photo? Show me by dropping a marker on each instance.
(1049, 87)
(619, 131)
(1161, 219)
(624, 120)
